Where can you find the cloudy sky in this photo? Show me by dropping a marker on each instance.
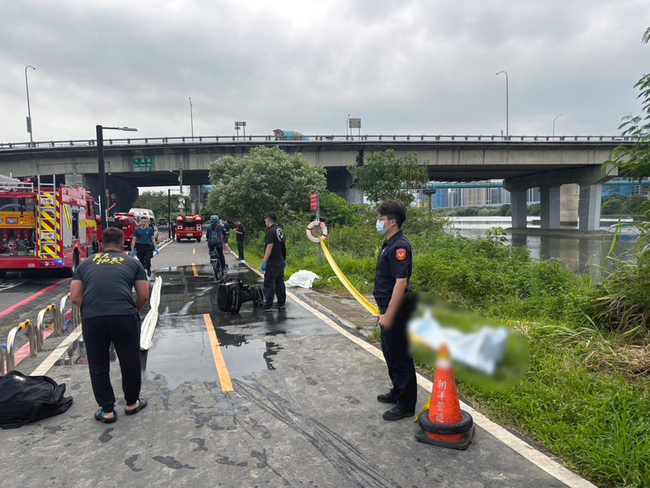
(405, 67)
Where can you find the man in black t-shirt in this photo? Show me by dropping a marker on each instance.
(273, 264)
(241, 235)
(101, 287)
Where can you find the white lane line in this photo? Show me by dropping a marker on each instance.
(165, 245)
(515, 443)
(9, 286)
(57, 353)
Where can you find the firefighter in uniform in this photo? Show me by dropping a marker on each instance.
(394, 268)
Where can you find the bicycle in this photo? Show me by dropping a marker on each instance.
(219, 272)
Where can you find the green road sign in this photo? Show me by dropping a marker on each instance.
(142, 163)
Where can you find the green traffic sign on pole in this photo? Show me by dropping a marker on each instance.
(142, 163)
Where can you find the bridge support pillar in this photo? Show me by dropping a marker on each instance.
(196, 195)
(591, 197)
(519, 209)
(550, 207)
(590, 179)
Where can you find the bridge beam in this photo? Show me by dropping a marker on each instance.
(590, 179)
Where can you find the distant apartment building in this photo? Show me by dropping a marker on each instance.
(475, 195)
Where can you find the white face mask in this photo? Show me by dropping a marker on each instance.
(380, 226)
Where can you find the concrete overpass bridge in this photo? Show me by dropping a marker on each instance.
(521, 161)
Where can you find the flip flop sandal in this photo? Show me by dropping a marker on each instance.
(141, 404)
(99, 415)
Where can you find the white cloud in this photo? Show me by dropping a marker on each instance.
(403, 67)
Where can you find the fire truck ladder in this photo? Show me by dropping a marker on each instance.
(47, 221)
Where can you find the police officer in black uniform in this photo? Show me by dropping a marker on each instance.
(273, 264)
(394, 268)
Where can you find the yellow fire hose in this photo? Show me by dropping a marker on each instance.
(350, 287)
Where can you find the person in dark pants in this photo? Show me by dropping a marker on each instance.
(144, 243)
(226, 235)
(394, 268)
(273, 264)
(214, 238)
(241, 235)
(101, 287)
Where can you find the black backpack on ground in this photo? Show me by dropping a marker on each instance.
(26, 399)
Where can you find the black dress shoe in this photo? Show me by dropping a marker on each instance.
(397, 413)
(386, 398)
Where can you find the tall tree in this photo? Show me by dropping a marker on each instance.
(387, 175)
(634, 162)
(267, 180)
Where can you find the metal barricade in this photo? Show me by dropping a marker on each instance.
(39, 324)
(2, 362)
(59, 327)
(11, 339)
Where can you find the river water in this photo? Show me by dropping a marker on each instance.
(580, 254)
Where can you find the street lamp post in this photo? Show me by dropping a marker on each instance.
(554, 124)
(347, 126)
(102, 170)
(506, 73)
(29, 112)
(191, 118)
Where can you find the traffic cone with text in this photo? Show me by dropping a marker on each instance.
(444, 424)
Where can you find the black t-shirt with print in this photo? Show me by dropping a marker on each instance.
(108, 279)
(275, 236)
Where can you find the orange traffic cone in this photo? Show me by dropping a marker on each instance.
(444, 424)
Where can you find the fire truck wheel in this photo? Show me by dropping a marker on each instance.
(178, 239)
(198, 240)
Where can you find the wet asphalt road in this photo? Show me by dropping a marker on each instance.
(302, 410)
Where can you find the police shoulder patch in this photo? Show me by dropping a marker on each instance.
(401, 254)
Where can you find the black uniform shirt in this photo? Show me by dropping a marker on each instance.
(240, 237)
(108, 278)
(395, 261)
(275, 236)
(226, 231)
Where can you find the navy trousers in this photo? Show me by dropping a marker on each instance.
(401, 368)
(274, 283)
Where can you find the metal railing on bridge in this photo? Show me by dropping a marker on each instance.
(311, 139)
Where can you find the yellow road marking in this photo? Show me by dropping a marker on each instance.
(196, 273)
(222, 370)
(194, 251)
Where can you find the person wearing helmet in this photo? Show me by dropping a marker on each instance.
(214, 236)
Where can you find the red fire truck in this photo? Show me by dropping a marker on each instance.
(43, 227)
(126, 222)
(189, 227)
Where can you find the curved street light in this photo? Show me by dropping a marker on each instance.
(29, 112)
(191, 118)
(506, 73)
(554, 124)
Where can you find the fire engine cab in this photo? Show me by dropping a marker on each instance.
(189, 227)
(127, 223)
(43, 227)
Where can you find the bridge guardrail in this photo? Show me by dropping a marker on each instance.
(306, 139)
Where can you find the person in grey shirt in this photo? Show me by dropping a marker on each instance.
(102, 288)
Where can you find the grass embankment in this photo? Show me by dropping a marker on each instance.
(586, 396)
